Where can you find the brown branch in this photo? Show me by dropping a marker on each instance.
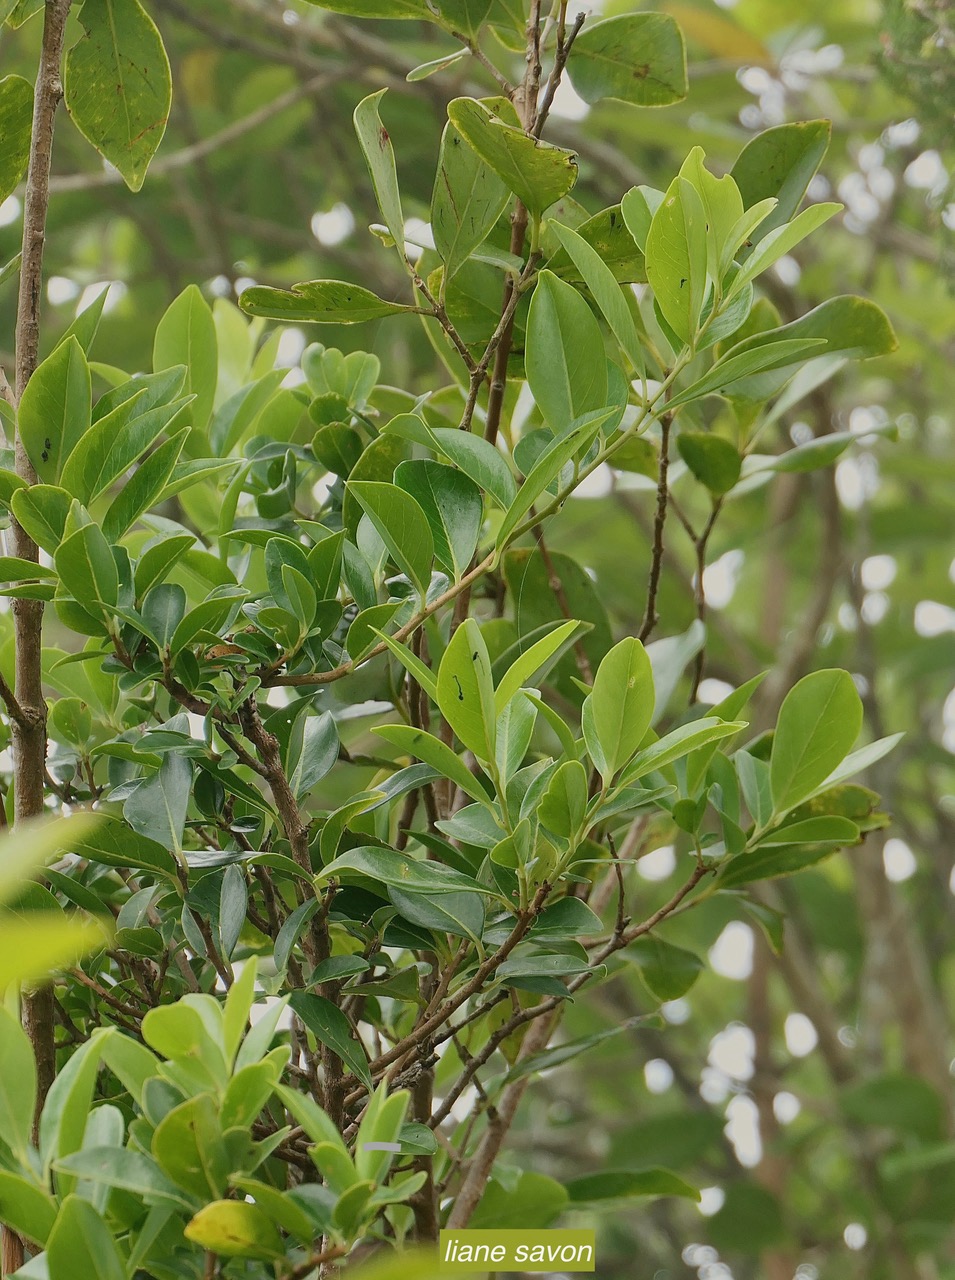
(650, 618)
(29, 731)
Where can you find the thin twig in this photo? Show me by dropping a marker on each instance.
(650, 617)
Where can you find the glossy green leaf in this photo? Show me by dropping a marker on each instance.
(402, 525)
(143, 488)
(121, 1167)
(235, 1229)
(679, 743)
(319, 301)
(426, 747)
(618, 711)
(677, 257)
(330, 1026)
(480, 460)
(466, 690)
(157, 808)
(564, 803)
(818, 722)
(458, 914)
(537, 660)
(565, 361)
(781, 241)
(454, 508)
(118, 85)
(576, 438)
(189, 1148)
(17, 1084)
(55, 409)
(637, 57)
(42, 510)
(537, 172)
(16, 118)
(779, 163)
(400, 871)
(602, 283)
(81, 1246)
(86, 567)
(25, 1207)
(380, 157)
(467, 201)
(186, 335)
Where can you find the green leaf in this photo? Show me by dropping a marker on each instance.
(17, 1085)
(619, 1184)
(677, 258)
(829, 829)
(433, 751)
(478, 459)
(460, 914)
(564, 356)
(55, 409)
(157, 808)
(853, 328)
(637, 57)
(378, 8)
(330, 1026)
(679, 743)
(668, 971)
(399, 871)
(713, 460)
(818, 722)
(118, 85)
(235, 1229)
(723, 207)
(638, 207)
(402, 525)
(564, 804)
(81, 1245)
(119, 1167)
(781, 241)
(87, 569)
(539, 174)
(16, 117)
(379, 155)
(42, 512)
(577, 438)
(67, 1106)
(319, 301)
(26, 1208)
(602, 283)
(463, 15)
(466, 690)
(454, 508)
(143, 488)
(537, 660)
(14, 569)
(779, 163)
(467, 202)
(618, 712)
(188, 1146)
(186, 335)
(413, 664)
(738, 373)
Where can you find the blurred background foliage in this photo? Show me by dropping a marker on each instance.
(809, 1092)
